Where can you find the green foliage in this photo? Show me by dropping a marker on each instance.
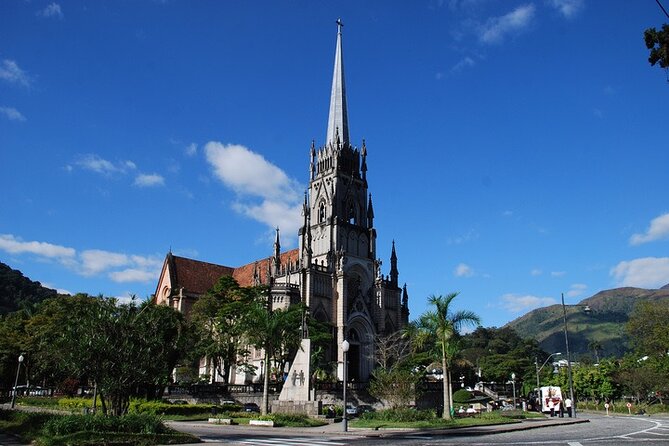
(605, 324)
(119, 347)
(217, 318)
(18, 292)
(277, 332)
(437, 331)
(132, 423)
(658, 44)
(25, 425)
(400, 415)
(647, 326)
(396, 386)
(462, 396)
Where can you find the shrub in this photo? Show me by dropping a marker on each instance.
(132, 423)
(400, 415)
(462, 396)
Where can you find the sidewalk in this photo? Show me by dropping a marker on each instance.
(531, 423)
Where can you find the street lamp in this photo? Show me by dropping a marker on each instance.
(16, 381)
(344, 347)
(513, 382)
(566, 343)
(536, 364)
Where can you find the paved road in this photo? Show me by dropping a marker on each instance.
(599, 430)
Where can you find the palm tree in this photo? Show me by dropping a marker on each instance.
(438, 329)
(276, 332)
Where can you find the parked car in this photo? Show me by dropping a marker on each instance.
(251, 407)
(351, 410)
(364, 408)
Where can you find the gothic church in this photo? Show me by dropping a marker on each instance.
(334, 271)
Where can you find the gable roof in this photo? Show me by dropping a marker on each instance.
(197, 277)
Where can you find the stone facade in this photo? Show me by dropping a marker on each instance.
(335, 270)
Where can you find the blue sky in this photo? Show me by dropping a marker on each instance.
(516, 149)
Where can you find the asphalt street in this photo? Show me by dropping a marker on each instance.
(593, 430)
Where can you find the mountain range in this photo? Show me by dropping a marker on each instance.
(596, 325)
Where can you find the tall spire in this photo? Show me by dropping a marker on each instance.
(338, 118)
(394, 273)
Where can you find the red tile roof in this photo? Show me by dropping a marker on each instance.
(198, 277)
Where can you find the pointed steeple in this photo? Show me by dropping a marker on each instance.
(394, 273)
(338, 118)
(370, 212)
(276, 257)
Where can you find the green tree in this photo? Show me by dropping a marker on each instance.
(499, 352)
(277, 332)
(217, 318)
(658, 44)
(437, 331)
(647, 328)
(119, 347)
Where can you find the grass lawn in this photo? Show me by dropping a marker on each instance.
(438, 423)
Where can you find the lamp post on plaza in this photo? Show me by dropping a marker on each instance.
(513, 383)
(566, 343)
(536, 364)
(262, 366)
(16, 381)
(344, 348)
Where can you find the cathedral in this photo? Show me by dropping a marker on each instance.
(334, 270)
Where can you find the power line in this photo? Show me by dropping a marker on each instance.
(662, 8)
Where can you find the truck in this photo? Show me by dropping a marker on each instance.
(547, 394)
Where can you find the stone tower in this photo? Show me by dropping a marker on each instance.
(342, 282)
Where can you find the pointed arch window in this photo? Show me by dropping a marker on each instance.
(351, 215)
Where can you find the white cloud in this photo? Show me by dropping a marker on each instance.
(12, 114)
(97, 164)
(252, 177)
(117, 266)
(463, 63)
(646, 272)
(558, 273)
(536, 272)
(273, 214)
(463, 270)
(658, 230)
(249, 173)
(568, 8)
(133, 275)
(191, 149)
(52, 10)
(148, 180)
(15, 245)
(12, 73)
(94, 261)
(496, 28)
(517, 303)
(576, 289)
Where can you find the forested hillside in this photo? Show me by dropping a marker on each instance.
(17, 291)
(599, 332)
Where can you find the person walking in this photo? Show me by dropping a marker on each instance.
(567, 405)
(551, 407)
